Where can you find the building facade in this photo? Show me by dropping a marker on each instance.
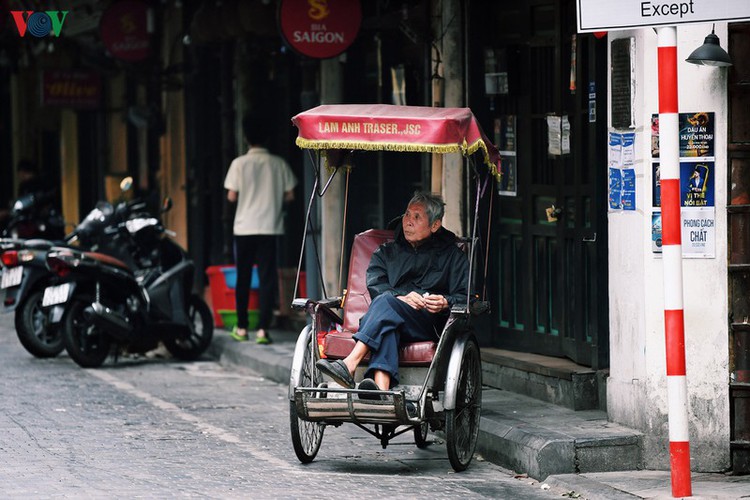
(574, 271)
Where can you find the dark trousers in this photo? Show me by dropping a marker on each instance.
(386, 324)
(260, 250)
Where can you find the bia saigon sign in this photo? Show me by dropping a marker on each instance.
(320, 28)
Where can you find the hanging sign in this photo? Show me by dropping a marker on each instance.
(320, 28)
(125, 30)
(71, 88)
(612, 15)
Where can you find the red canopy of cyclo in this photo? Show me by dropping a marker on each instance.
(385, 127)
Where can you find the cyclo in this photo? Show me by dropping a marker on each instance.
(440, 385)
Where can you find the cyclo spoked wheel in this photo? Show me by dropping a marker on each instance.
(33, 328)
(306, 436)
(201, 332)
(87, 344)
(462, 423)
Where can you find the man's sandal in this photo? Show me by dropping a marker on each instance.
(338, 371)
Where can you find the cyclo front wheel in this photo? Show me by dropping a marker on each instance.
(462, 422)
(306, 436)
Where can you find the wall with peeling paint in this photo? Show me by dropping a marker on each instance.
(637, 389)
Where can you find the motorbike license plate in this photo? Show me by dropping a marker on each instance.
(11, 276)
(55, 295)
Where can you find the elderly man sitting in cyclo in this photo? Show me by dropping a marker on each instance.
(413, 281)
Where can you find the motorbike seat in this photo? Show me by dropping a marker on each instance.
(338, 344)
(108, 259)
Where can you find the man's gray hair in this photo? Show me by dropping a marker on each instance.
(432, 203)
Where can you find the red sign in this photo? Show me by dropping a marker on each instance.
(125, 30)
(320, 28)
(69, 88)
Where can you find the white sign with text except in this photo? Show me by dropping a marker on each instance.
(612, 15)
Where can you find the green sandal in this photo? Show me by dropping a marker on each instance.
(236, 336)
(263, 340)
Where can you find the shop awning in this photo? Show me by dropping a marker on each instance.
(385, 127)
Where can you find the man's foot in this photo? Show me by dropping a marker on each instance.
(239, 334)
(338, 371)
(368, 384)
(262, 337)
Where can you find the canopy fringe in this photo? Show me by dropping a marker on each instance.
(464, 148)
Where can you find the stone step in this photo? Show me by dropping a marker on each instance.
(554, 380)
(537, 438)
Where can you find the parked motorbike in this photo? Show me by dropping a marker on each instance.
(25, 276)
(109, 302)
(33, 216)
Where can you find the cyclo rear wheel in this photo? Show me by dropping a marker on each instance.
(306, 436)
(462, 422)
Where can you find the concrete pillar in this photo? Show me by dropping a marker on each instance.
(332, 206)
(69, 165)
(452, 49)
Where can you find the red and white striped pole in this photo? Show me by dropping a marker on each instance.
(674, 320)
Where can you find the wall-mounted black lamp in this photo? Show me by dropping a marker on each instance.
(710, 53)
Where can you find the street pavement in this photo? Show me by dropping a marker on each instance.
(153, 427)
(158, 428)
(274, 362)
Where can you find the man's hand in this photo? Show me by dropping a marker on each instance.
(431, 302)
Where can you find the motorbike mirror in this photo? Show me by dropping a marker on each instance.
(126, 184)
(166, 205)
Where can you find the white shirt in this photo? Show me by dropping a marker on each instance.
(260, 179)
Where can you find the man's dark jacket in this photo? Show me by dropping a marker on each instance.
(437, 266)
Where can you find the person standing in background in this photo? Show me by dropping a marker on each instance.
(260, 183)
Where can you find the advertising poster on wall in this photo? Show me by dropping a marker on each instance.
(655, 185)
(696, 135)
(615, 188)
(656, 231)
(622, 182)
(697, 185)
(698, 232)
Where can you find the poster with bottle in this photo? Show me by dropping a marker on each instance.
(656, 231)
(655, 184)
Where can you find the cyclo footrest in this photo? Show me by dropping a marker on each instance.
(344, 405)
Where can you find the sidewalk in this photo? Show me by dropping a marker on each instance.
(564, 448)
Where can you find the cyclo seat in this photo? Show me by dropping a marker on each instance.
(338, 344)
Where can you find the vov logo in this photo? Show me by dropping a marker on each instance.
(39, 24)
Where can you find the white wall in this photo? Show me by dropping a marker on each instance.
(636, 391)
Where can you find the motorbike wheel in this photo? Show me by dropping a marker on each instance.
(201, 332)
(87, 344)
(33, 328)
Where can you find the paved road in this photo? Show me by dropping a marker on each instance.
(158, 428)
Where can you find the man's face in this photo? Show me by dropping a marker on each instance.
(416, 223)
